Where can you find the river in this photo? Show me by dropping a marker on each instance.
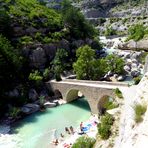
(35, 131)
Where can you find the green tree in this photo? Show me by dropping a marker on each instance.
(99, 69)
(83, 66)
(9, 63)
(59, 63)
(9, 70)
(75, 21)
(115, 64)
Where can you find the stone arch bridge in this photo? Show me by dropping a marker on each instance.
(92, 90)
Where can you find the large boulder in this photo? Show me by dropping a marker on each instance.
(30, 108)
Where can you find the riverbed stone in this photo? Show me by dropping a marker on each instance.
(135, 73)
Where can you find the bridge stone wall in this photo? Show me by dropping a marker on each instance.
(92, 94)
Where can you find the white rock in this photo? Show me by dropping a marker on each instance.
(49, 104)
(127, 68)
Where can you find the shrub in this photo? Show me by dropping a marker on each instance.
(137, 80)
(35, 76)
(26, 40)
(46, 74)
(104, 131)
(104, 128)
(107, 119)
(14, 112)
(84, 142)
(118, 93)
(139, 111)
(110, 105)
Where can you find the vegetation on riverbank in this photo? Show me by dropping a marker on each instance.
(104, 128)
(84, 142)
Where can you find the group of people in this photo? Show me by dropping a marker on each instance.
(69, 130)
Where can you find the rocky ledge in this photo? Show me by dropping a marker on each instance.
(133, 45)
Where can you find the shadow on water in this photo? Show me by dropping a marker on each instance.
(28, 119)
(81, 103)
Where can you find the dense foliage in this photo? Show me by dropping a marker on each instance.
(87, 67)
(76, 23)
(28, 30)
(84, 142)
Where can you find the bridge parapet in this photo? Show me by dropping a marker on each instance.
(97, 82)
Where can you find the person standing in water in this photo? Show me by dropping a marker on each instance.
(67, 130)
(81, 126)
(71, 129)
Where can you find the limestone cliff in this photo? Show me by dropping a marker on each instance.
(132, 134)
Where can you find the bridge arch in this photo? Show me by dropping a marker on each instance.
(106, 101)
(73, 94)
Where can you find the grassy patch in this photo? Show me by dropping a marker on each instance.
(139, 111)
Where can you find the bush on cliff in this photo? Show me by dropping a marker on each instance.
(137, 32)
(84, 142)
(104, 128)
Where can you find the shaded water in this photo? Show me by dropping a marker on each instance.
(35, 131)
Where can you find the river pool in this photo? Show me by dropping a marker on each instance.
(35, 131)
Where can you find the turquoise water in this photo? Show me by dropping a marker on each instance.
(35, 131)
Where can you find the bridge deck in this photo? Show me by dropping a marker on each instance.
(96, 84)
